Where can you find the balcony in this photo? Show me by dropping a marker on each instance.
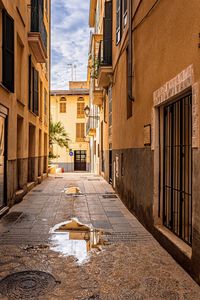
(37, 37)
(105, 49)
(105, 66)
(92, 122)
(90, 127)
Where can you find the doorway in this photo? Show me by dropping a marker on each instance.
(80, 160)
(110, 166)
(3, 152)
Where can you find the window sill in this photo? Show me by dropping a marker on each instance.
(33, 113)
(5, 88)
(183, 247)
(21, 102)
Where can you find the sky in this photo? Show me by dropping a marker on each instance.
(69, 41)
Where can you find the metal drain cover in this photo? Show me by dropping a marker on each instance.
(27, 285)
(109, 196)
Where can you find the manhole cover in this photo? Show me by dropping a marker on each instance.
(94, 179)
(109, 196)
(27, 284)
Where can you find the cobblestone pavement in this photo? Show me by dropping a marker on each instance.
(132, 266)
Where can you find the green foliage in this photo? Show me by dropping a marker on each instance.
(58, 135)
(95, 68)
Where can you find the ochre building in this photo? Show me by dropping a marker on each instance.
(24, 97)
(67, 106)
(148, 67)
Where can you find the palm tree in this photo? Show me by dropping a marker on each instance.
(57, 135)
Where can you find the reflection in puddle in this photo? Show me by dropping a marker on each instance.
(73, 238)
(73, 190)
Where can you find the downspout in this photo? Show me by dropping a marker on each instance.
(130, 54)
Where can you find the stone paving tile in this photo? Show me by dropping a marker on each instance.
(99, 217)
(134, 266)
(118, 220)
(102, 224)
(114, 214)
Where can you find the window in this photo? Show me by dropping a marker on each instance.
(20, 50)
(80, 132)
(8, 52)
(129, 84)
(45, 102)
(63, 105)
(118, 21)
(33, 88)
(125, 10)
(80, 108)
(177, 168)
(107, 34)
(104, 110)
(41, 98)
(110, 111)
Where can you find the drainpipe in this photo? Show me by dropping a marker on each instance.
(130, 55)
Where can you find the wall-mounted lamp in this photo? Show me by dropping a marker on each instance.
(87, 113)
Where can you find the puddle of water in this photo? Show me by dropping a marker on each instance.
(73, 191)
(73, 238)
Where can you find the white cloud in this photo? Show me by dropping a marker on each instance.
(69, 40)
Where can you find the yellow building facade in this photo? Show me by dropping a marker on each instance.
(68, 107)
(24, 97)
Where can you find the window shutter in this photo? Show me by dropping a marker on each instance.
(80, 110)
(30, 83)
(77, 131)
(35, 91)
(8, 51)
(118, 20)
(107, 34)
(80, 132)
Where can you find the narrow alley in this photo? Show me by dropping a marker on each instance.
(99, 150)
(129, 264)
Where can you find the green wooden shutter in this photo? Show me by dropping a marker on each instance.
(8, 52)
(107, 34)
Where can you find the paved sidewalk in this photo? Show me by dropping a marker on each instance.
(133, 266)
(47, 205)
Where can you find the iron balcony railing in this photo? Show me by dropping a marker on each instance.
(37, 20)
(104, 57)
